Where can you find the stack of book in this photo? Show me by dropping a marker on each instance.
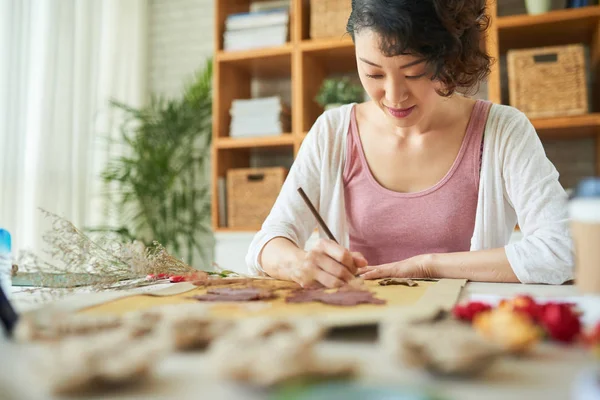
(267, 116)
(266, 25)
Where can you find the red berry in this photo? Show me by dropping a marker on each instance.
(524, 304)
(560, 321)
(177, 278)
(468, 311)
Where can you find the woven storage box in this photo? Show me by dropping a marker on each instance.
(251, 194)
(328, 18)
(548, 81)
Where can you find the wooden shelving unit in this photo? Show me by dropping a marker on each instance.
(308, 62)
(304, 61)
(560, 27)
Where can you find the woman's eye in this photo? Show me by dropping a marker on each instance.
(415, 76)
(374, 76)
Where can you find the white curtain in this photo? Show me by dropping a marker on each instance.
(61, 62)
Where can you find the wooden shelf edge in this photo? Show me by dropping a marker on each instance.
(519, 21)
(286, 139)
(325, 44)
(570, 122)
(225, 56)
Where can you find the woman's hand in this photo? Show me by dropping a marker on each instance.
(329, 265)
(414, 267)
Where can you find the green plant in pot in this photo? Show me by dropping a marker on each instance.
(336, 92)
(160, 185)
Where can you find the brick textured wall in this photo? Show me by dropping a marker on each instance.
(181, 38)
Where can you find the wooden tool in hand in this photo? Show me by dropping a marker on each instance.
(314, 211)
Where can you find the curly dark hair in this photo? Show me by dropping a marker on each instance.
(446, 33)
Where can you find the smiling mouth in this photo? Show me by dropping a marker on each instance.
(400, 112)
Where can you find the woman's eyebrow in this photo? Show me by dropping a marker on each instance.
(369, 62)
(410, 64)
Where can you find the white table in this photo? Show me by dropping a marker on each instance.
(548, 373)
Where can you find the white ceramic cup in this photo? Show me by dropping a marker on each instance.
(584, 214)
(538, 6)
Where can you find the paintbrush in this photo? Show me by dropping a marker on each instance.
(314, 212)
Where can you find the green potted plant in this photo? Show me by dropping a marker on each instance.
(335, 92)
(160, 186)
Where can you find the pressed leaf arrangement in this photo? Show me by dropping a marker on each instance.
(159, 186)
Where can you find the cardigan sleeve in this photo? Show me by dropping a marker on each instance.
(290, 217)
(545, 253)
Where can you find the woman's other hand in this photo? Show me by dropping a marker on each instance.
(328, 264)
(414, 267)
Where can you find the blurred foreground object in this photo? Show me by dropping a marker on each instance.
(440, 345)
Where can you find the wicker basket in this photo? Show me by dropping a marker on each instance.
(328, 18)
(548, 81)
(251, 194)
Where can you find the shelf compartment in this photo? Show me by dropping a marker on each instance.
(260, 63)
(335, 55)
(319, 60)
(586, 125)
(554, 28)
(253, 142)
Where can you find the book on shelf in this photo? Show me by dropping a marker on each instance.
(253, 38)
(222, 206)
(242, 21)
(271, 104)
(267, 116)
(267, 28)
(269, 5)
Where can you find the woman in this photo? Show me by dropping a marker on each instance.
(419, 181)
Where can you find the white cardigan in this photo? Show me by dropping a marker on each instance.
(517, 183)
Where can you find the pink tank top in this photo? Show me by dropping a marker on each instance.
(387, 226)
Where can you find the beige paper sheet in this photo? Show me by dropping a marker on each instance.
(426, 296)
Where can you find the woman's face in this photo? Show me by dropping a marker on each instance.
(401, 86)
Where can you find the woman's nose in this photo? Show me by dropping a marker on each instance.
(396, 93)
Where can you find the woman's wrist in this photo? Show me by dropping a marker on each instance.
(280, 257)
(480, 266)
(429, 265)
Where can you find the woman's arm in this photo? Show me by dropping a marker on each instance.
(532, 187)
(290, 219)
(277, 249)
(479, 266)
